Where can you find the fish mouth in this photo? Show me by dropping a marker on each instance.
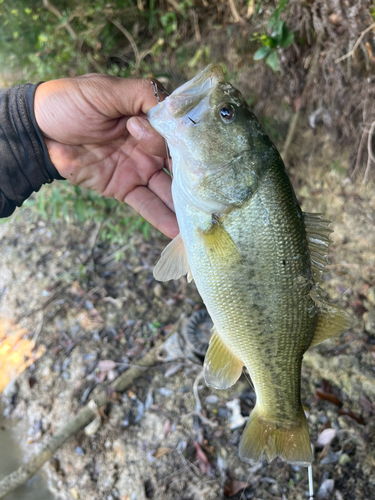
(187, 103)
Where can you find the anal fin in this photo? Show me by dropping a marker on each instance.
(173, 262)
(332, 321)
(222, 368)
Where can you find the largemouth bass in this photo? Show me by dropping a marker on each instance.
(255, 256)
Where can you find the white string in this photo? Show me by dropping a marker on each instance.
(311, 484)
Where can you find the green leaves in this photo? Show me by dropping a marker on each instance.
(281, 37)
(273, 61)
(62, 201)
(262, 53)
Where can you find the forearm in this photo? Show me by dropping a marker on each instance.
(25, 164)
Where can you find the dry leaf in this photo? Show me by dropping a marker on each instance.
(204, 464)
(328, 396)
(90, 320)
(161, 451)
(325, 437)
(106, 365)
(16, 352)
(349, 413)
(234, 487)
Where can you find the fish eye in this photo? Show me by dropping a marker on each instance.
(227, 113)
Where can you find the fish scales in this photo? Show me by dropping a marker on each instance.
(248, 246)
(248, 289)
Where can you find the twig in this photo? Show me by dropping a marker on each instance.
(194, 17)
(370, 153)
(54, 10)
(289, 137)
(198, 405)
(369, 144)
(39, 327)
(359, 155)
(355, 46)
(84, 417)
(250, 9)
(125, 32)
(235, 14)
(112, 256)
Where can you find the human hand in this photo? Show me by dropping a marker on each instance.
(98, 137)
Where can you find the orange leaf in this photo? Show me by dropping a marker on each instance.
(16, 351)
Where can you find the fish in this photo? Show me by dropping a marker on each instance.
(256, 258)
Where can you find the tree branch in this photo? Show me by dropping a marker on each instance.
(355, 46)
(55, 11)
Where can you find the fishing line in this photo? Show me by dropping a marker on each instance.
(158, 89)
(311, 484)
(247, 377)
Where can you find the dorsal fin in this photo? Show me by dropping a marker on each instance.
(318, 241)
(173, 262)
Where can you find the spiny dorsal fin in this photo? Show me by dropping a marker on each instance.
(318, 241)
(222, 369)
(332, 320)
(173, 262)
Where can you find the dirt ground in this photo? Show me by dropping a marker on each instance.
(96, 316)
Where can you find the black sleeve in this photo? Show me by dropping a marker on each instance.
(24, 160)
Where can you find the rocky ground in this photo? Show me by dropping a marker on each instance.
(97, 316)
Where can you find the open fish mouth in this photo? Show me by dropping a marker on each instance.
(187, 104)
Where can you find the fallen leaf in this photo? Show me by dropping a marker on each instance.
(327, 396)
(161, 452)
(76, 289)
(325, 437)
(105, 365)
(204, 464)
(167, 428)
(349, 413)
(90, 320)
(16, 352)
(230, 489)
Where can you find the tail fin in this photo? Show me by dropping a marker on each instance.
(291, 444)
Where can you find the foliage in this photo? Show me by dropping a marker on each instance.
(281, 37)
(59, 38)
(72, 203)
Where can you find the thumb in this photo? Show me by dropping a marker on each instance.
(146, 136)
(115, 97)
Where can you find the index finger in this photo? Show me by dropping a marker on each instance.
(115, 97)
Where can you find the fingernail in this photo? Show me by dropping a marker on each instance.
(136, 128)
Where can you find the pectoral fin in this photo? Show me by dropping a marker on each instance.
(222, 368)
(332, 321)
(173, 262)
(219, 244)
